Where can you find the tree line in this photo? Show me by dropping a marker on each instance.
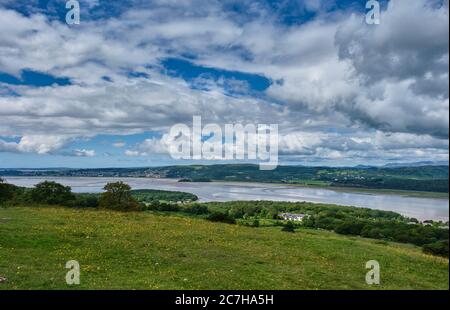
(117, 196)
(433, 237)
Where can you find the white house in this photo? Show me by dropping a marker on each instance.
(292, 217)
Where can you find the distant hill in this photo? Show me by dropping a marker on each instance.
(417, 164)
(429, 178)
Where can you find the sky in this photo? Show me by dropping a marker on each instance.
(105, 92)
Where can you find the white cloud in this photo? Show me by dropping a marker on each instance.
(40, 144)
(369, 85)
(119, 144)
(84, 153)
(132, 153)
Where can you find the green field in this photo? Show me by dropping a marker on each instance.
(144, 250)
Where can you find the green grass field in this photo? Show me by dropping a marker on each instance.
(148, 251)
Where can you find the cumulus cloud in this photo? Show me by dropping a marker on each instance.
(379, 89)
(155, 145)
(402, 65)
(40, 144)
(310, 146)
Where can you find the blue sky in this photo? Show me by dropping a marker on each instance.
(32, 78)
(105, 93)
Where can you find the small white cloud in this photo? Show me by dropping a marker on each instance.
(84, 153)
(132, 153)
(119, 144)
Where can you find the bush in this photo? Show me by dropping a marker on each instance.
(6, 191)
(221, 217)
(437, 248)
(196, 209)
(288, 227)
(349, 228)
(163, 206)
(118, 197)
(51, 193)
(84, 201)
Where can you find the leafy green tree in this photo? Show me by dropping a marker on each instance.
(349, 228)
(117, 196)
(437, 248)
(164, 207)
(6, 191)
(51, 193)
(196, 209)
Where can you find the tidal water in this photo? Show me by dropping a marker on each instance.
(420, 208)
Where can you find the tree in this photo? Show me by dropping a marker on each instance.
(196, 209)
(117, 196)
(437, 248)
(349, 228)
(6, 191)
(51, 193)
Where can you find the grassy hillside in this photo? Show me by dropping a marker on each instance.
(150, 251)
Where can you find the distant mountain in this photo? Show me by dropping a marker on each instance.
(417, 164)
(363, 166)
(36, 169)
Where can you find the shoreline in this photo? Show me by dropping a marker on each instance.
(344, 189)
(396, 192)
(405, 203)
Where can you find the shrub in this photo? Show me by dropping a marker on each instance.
(288, 227)
(6, 191)
(51, 193)
(437, 248)
(221, 217)
(163, 206)
(196, 209)
(349, 228)
(84, 201)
